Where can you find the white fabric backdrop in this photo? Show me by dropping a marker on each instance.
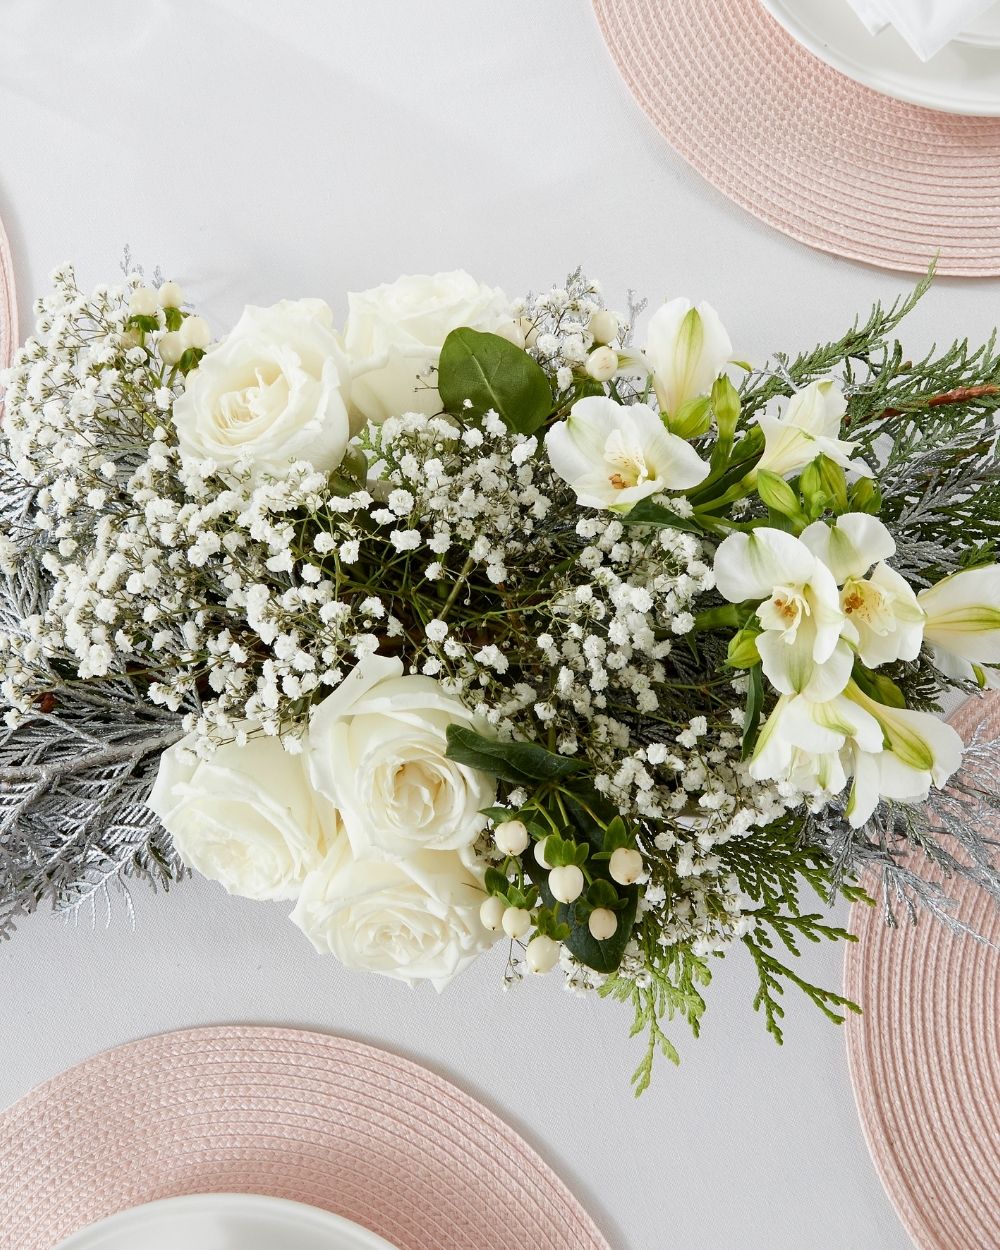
(257, 151)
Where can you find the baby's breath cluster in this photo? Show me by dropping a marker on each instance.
(472, 621)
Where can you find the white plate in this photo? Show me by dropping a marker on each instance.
(962, 78)
(986, 31)
(224, 1222)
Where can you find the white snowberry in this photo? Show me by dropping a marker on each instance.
(542, 954)
(171, 348)
(566, 883)
(603, 923)
(539, 853)
(516, 922)
(142, 302)
(602, 364)
(511, 837)
(491, 912)
(603, 326)
(625, 866)
(512, 332)
(195, 332)
(170, 295)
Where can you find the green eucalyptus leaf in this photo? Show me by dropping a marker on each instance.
(646, 512)
(493, 375)
(517, 762)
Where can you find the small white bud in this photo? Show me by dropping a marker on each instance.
(542, 954)
(566, 883)
(603, 923)
(602, 364)
(540, 859)
(171, 348)
(604, 326)
(511, 837)
(195, 332)
(492, 911)
(516, 922)
(142, 302)
(625, 866)
(512, 332)
(528, 330)
(170, 295)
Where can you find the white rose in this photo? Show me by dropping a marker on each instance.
(394, 335)
(275, 390)
(246, 817)
(416, 920)
(377, 751)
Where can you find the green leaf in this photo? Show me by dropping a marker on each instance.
(190, 359)
(173, 318)
(517, 762)
(140, 321)
(601, 956)
(616, 835)
(495, 881)
(646, 512)
(751, 720)
(494, 375)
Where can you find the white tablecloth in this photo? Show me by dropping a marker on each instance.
(256, 151)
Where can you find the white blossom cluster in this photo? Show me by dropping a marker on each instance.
(454, 633)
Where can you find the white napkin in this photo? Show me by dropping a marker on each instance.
(926, 25)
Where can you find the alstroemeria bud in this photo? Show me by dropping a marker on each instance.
(687, 349)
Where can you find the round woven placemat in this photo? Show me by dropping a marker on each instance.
(925, 1057)
(317, 1119)
(822, 158)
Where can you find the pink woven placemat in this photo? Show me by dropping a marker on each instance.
(925, 1058)
(317, 1119)
(820, 157)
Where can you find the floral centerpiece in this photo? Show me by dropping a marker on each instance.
(495, 620)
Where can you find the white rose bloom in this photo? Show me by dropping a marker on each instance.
(882, 607)
(804, 647)
(246, 817)
(275, 390)
(614, 455)
(810, 425)
(415, 920)
(687, 348)
(376, 750)
(394, 335)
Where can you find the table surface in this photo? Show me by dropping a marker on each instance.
(255, 152)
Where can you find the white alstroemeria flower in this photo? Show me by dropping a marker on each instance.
(851, 545)
(802, 649)
(687, 348)
(962, 622)
(809, 426)
(919, 751)
(882, 607)
(809, 744)
(613, 455)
